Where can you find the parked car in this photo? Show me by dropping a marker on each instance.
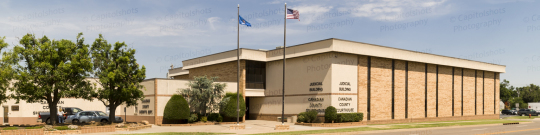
(87, 116)
(507, 112)
(514, 112)
(45, 116)
(526, 112)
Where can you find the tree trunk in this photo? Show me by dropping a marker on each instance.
(112, 113)
(53, 113)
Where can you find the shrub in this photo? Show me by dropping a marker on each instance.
(176, 108)
(330, 114)
(192, 118)
(350, 117)
(301, 117)
(213, 117)
(228, 106)
(204, 119)
(10, 128)
(311, 116)
(62, 128)
(219, 119)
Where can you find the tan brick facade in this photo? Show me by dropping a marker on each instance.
(432, 91)
(457, 92)
(362, 84)
(381, 88)
(479, 92)
(445, 91)
(399, 90)
(468, 92)
(183, 77)
(416, 90)
(488, 93)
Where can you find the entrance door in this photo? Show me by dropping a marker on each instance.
(247, 109)
(6, 118)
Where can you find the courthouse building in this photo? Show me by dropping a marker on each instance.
(386, 84)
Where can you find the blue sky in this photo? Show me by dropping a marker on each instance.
(165, 32)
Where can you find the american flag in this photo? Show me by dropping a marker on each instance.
(293, 14)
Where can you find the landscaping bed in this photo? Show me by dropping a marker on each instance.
(344, 124)
(74, 129)
(199, 124)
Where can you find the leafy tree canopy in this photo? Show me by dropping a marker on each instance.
(119, 74)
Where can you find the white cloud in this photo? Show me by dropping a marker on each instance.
(309, 13)
(390, 10)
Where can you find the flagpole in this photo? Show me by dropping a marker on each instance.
(284, 46)
(238, 68)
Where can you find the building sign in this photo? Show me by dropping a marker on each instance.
(145, 101)
(344, 86)
(315, 86)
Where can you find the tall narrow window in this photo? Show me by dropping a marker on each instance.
(483, 91)
(494, 93)
(475, 94)
(369, 89)
(425, 89)
(461, 91)
(452, 91)
(437, 92)
(406, 89)
(393, 90)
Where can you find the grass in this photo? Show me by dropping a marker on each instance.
(37, 127)
(183, 133)
(61, 128)
(394, 126)
(521, 117)
(10, 128)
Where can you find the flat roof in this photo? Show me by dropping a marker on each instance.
(342, 46)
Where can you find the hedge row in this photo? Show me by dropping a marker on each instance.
(350, 117)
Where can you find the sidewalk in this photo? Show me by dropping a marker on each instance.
(252, 127)
(262, 126)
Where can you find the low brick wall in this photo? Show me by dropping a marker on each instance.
(134, 128)
(98, 129)
(62, 132)
(23, 132)
(199, 124)
(476, 117)
(345, 124)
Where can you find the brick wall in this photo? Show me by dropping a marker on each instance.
(468, 92)
(445, 91)
(488, 91)
(432, 91)
(479, 92)
(183, 77)
(362, 84)
(381, 88)
(457, 92)
(416, 90)
(399, 90)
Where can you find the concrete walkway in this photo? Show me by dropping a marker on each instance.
(252, 127)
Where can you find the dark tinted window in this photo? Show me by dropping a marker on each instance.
(255, 75)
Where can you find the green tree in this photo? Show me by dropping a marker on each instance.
(118, 73)
(330, 114)
(176, 108)
(6, 73)
(228, 106)
(203, 94)
(50, 70)
(507, 91)
(530, 93)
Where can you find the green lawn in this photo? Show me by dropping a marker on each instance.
(396, 126)
(521, 117)
(183, 133)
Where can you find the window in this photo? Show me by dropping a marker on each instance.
(255, 75)
(15, 108)
(102, 114)
(76, 110)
